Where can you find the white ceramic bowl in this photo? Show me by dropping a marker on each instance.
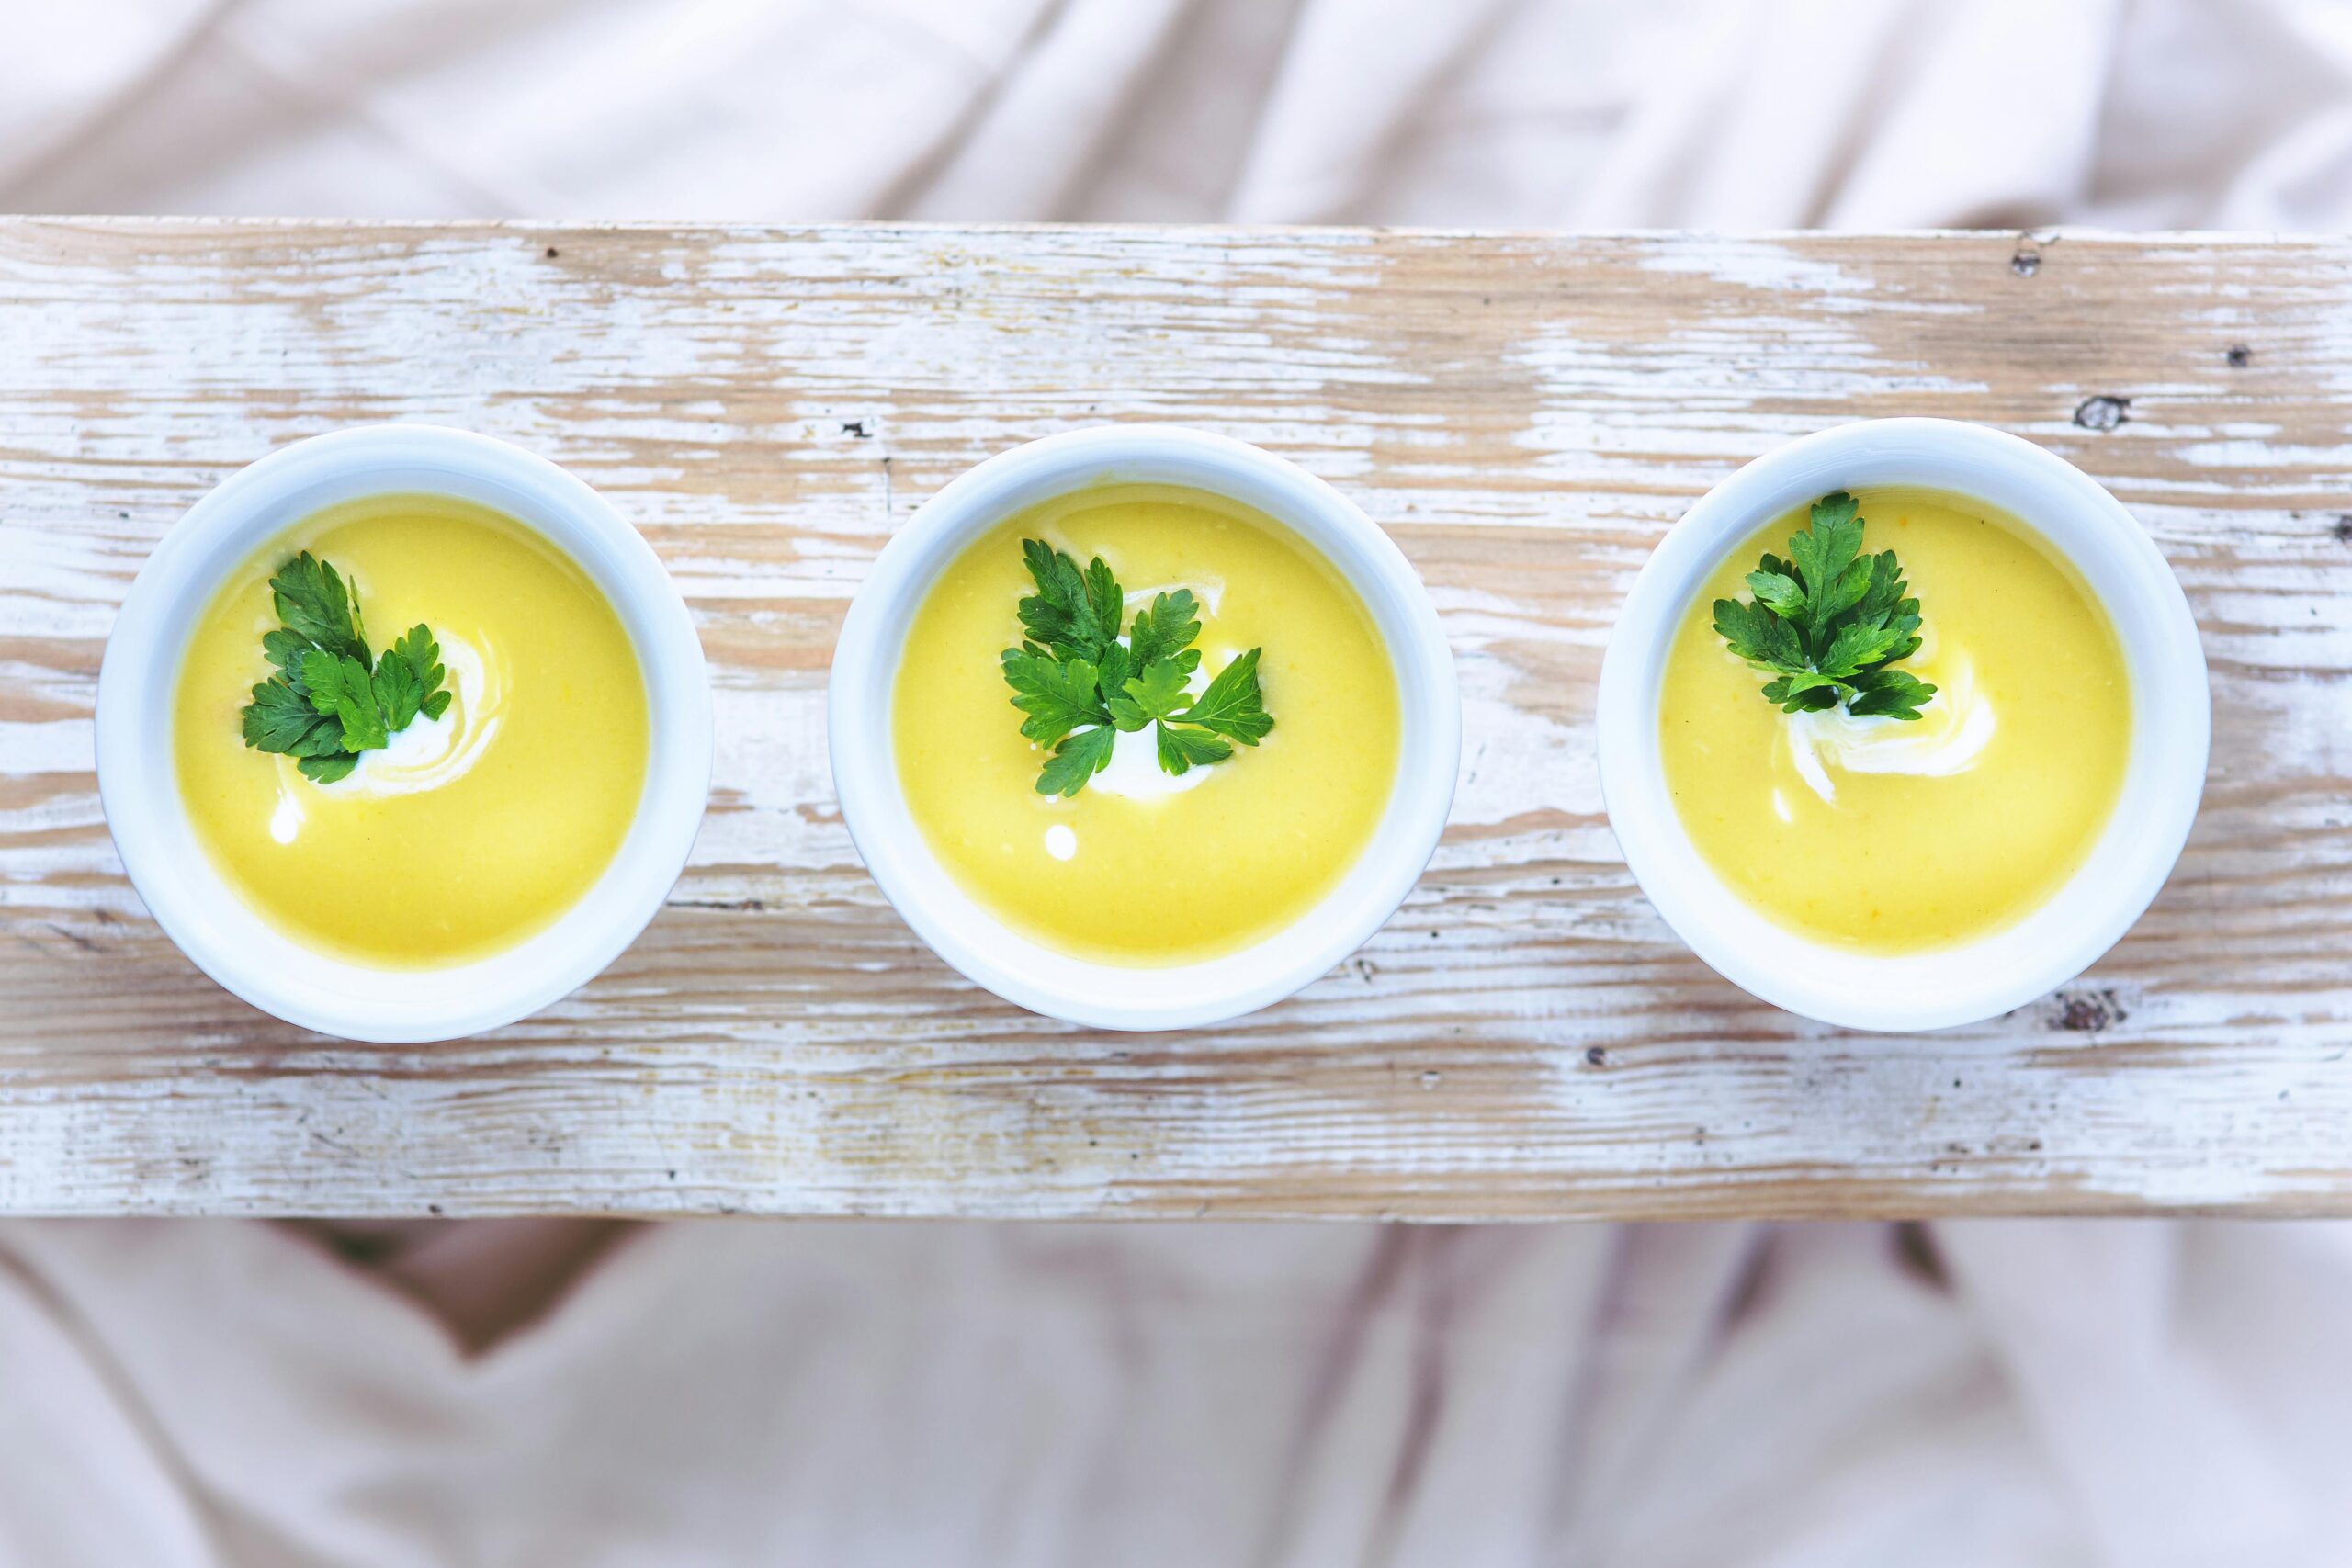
(138, 783)
(1118, 995)
(2171, 718)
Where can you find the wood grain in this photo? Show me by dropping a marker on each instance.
(1524, 414)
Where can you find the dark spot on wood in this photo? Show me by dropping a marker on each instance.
(2239, 356)
(1364, 970)
(855, 427)
(2102, 413)
(433, 1208)
(1594, 1056)
(551, 252)
(2026, 262)
(70, 934)
(2089, 1013)
(2342, 528)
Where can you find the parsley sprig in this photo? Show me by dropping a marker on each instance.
(1080, 686)
(1829, 622)
(331, 698)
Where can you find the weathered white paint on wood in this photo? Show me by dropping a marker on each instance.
(1524, 414)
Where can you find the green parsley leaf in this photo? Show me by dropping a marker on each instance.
(310, 600)
(1058, 696)
(397, 691)
(418, 646)
(326, 770)
(1079, 758)
(280, 718)
(408, 680)
(1181, 749)
(1828, 623)
(331, 698)
(1804, 692)
(1156, 694)
(1165, 630)
(1073, 612)
(1108, 604)
(342, 686)
(1116, 666)
(1782, 594)
(1856, 647)
(1758, 636)
(1832, 537)
(1895, 691)
(1233, 707)
(285, 649)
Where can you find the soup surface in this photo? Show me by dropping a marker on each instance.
(467, 832)
(1139, 867)
(1898, 836)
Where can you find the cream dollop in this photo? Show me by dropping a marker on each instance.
(1952, 731)
(1134, 771)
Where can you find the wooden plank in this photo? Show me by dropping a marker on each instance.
(1525, 413)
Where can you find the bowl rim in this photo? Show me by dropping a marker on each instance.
(1121, 997)
(2146, 829)
(174, 876)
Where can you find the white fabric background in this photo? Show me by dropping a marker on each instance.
(2031, 1393)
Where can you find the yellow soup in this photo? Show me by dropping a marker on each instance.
(466, 833)
(1131, 870)
(1891, 836)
